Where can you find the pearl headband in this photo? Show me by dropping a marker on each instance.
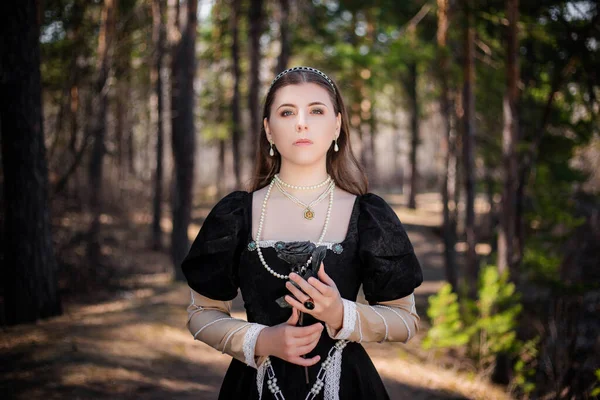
(308, 69)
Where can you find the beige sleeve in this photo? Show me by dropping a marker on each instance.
(392, 321)
(210, 321)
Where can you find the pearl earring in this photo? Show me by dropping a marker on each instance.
(335, 147)
(271, 152)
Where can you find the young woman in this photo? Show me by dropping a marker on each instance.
(298, 246)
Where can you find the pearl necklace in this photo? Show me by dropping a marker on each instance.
(325, 182)
(319, 383)
(309, 213)
(262, 221)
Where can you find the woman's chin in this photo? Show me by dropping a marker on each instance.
(305, 160)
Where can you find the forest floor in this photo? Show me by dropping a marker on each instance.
(126, 338)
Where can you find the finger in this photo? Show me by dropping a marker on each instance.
(320, 286)
(324, 277)
(305, 362)
(303, 341)
(305, 286)
(298, 294)
(303, 350)
(296, 304)
(301, 332)
(293, 319)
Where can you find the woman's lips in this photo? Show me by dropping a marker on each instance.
(303, 142)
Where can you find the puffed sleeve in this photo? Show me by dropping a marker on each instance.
(390, 269)
(211, 266)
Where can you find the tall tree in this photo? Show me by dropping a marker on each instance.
(255, 17)
(448, 140)
(236, 133)
(103, 65)
(469, 141)
(284, 36)
(510, 132)
(183, 133)
(158, 40)
(29, 265)
(411, 87)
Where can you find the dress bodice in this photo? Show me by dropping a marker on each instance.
(376, 252)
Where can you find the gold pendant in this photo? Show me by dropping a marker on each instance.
(309, 214)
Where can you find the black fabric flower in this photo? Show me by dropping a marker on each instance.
(294, 252)
(318, 255)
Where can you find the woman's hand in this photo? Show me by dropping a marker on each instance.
(329, 307)
(290, 342)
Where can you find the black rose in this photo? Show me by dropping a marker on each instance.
(294, 253)
(318, 255)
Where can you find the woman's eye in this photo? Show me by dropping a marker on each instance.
(286, 113)
(317, 111)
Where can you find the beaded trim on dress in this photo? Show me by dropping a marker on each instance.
(271, 243)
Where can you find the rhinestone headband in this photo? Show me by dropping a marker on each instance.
(308, 69)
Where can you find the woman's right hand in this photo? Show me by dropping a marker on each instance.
(289, 342)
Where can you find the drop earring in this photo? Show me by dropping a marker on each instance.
(335, 146)
(271, 151)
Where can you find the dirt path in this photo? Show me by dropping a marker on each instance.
(136, 346)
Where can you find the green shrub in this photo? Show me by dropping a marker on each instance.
(486, 326)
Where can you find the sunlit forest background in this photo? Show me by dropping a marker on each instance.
(122, 122)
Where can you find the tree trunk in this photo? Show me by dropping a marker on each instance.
(236, 134)
(119, 105)
(221, 170)
(29, 265)
(372, 147)
(183, 135)
(105, 39)
(510, 133)
(397, 145)
(255, 15)
(469, 145)
(414, 130)
(284, 54)
(158, 39)
(449, 145)
(507, 256)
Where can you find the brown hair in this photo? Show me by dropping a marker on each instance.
(342, 165)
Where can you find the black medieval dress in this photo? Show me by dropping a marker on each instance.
(376, 253)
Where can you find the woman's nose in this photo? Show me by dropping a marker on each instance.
(301, 122)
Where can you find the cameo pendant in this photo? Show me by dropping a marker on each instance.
(309, 214)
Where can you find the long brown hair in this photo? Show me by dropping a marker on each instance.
(342, 165)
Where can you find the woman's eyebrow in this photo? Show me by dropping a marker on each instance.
(293, 105)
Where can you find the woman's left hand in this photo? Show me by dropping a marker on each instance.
(325, 296)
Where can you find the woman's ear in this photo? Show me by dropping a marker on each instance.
(338, 124)
(267, 130)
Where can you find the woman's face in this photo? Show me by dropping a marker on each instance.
(302, 123)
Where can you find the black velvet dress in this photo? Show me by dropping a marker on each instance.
(376, 253)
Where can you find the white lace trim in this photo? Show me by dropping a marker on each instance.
(333, 376)
(359, 327)
(271, 243)
(400, 316)
(260, 378)
(384, 323)
(250, 343)
(348, 323)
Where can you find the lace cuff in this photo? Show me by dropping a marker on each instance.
(250, 343)
(348, 323)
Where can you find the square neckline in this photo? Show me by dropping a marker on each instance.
(346, 238)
